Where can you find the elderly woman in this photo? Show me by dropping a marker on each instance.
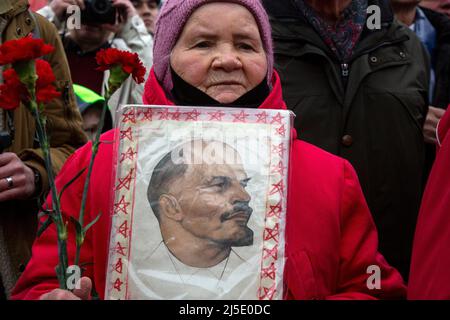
(219, 53)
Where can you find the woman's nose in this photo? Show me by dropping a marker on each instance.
(227, 60)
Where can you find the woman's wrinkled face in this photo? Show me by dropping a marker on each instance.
(220, 52)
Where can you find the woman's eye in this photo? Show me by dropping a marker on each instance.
(203, 45)
(246, 46)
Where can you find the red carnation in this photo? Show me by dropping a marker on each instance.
(45, 89)
(12, 92)
(24, 49)
(129, 62)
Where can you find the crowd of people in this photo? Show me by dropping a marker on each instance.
(371, 121)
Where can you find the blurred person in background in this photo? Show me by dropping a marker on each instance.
(23, 177)
(90, 105)
(361, 93)
(128, 32)
(433, 30)
(148, 10)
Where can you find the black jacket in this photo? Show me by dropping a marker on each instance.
(441, 94)
(370, 112)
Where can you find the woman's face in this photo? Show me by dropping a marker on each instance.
(220, 52)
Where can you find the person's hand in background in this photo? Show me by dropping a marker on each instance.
(16, 178)
(431, 122)
(59, 7)
(126, 11)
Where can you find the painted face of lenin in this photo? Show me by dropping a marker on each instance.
(202, 200)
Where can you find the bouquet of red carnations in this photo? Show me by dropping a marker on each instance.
(30, 83)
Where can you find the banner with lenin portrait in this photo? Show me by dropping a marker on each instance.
(200, 203)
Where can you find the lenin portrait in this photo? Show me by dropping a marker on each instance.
(197, 192)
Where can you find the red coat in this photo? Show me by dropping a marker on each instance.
(35, 5)
(430, 267)
(331, 238)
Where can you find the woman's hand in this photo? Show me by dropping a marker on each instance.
(82, 293)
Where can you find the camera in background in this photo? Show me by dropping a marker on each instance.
(98, 12)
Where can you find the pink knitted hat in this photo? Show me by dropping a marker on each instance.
(173, 16)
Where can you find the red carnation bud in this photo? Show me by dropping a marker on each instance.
(129, 63)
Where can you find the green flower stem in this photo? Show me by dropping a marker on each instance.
(57, 215)
(27, 75)
(116, 78)
(95, 146)
(26, 70)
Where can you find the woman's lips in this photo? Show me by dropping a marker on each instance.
(226, 83)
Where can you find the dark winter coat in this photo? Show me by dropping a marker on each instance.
(370, 111)
(441, 94)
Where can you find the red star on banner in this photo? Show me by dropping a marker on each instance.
(176, 115)
(240, 117)
(281, 131)
(271, 253)
(261, 117)
(193, 115)
(123, 229)
(279, 168)
(118, 267)
(278, 187)
(146, 115)
(218, 115)
(269, 272)
(118, 284)
(164, 115)
(126, 134)
(275, 210)
(126, 182)
(268, 293)
(130, 154)
(129, 116)
(277, 119)
(279, 149)
(271, 234)
(122, 206)
(120, 249)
